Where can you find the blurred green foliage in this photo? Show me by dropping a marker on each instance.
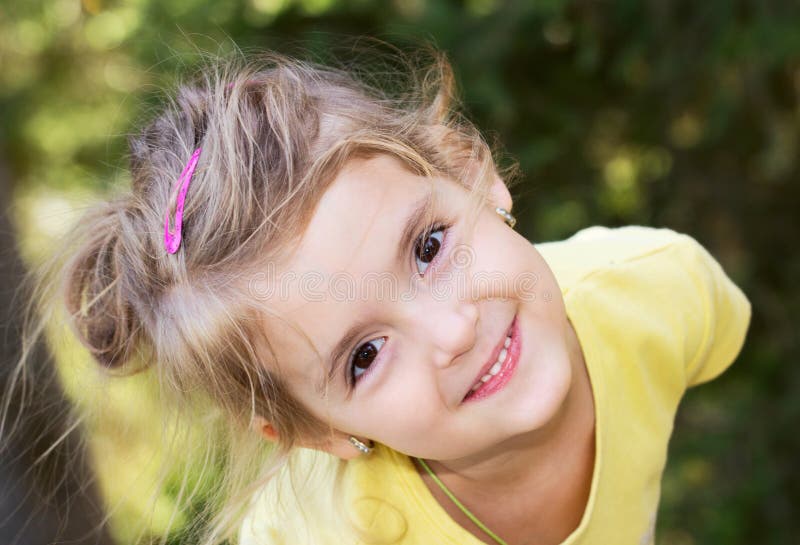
(680, 114)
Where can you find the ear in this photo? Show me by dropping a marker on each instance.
(337, 444)
(499, 194)
(264, 428)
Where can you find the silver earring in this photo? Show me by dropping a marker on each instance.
(507, 217)
(360, 446)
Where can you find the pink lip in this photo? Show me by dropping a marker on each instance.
(497, 382)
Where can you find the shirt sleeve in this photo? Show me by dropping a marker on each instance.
(726, 313)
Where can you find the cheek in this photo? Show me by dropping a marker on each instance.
(411, 407)
(491, 243)
(508, 265)
(530, 276)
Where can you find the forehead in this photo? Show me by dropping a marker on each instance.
(368, 199)
(353, 234)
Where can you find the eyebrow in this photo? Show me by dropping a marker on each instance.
(418, 212)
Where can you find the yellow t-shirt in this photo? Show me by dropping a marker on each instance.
(654, 313)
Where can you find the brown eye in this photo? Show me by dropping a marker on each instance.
(428, 246)
(364, 356)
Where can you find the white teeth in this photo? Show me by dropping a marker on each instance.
(501, 357)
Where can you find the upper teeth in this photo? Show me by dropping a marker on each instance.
(501, 357)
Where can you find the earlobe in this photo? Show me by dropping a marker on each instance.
(339, 445)
(342, 446)
(363, 447)
(264, 428)
(499, 193)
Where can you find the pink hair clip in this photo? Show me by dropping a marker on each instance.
(172, 239)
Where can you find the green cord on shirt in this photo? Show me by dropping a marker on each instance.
(464, 510)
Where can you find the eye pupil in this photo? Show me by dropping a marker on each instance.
(428, 250)
(365, 356)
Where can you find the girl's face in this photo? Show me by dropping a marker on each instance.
(406, 328)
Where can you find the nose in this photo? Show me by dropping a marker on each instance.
(449, 328)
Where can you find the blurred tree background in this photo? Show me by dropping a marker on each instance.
(680, 114)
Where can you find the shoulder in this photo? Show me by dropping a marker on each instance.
(598, 248)
(660, 288)
(322, 500)
(294, 506)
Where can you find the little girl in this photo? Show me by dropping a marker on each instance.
(334, 269)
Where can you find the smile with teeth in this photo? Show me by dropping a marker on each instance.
(497, 375)
(501, 358)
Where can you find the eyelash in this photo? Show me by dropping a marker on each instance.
(422, 237)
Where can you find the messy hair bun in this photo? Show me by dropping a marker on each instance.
(99, 289)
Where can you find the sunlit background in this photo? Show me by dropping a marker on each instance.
(679, 114)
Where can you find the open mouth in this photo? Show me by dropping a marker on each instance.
(496, 373)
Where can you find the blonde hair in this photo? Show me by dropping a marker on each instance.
(274, 132)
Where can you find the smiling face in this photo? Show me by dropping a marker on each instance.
(434, 315)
